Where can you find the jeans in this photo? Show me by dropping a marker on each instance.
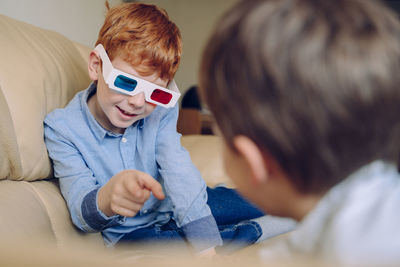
(232, 214)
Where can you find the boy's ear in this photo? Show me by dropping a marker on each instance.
(94, 66)
(256, 160)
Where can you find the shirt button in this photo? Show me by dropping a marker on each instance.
(124, 140)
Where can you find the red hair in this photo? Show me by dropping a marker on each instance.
(144, 36)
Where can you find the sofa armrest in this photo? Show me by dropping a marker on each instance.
(22, 212)
(36, 210)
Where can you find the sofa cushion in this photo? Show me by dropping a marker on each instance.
(41, 71)
(57, 212)
(9, 157)
(22, 212)
(206, 153)
(32, 210)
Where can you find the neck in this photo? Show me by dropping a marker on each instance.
(302, 204)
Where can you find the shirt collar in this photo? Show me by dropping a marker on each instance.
(98, 131)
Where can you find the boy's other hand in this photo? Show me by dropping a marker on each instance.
(126, 192)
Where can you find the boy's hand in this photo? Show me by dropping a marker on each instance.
(126, 192)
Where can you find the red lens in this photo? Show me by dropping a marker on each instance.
(161, 96)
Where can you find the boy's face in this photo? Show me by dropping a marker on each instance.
(115, 111)
(238, 171)
(255, 180)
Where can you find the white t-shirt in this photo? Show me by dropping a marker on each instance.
(357, 222)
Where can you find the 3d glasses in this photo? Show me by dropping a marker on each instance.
(128, 84)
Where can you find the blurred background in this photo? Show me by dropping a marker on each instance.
(80, 21)
(394, 4)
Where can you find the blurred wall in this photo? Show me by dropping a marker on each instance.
(76, 19)
(196, 19)
(80, 20)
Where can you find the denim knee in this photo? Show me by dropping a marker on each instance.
(237, 236)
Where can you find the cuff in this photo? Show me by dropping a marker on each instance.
(96, 219)
(203, 233)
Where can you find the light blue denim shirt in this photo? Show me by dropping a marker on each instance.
(85, 156)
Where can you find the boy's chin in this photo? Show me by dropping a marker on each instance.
(126, 124)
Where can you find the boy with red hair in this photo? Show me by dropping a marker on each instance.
(116, 152)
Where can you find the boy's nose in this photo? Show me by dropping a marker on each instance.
(137, 101)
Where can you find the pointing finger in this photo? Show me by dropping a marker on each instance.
(155, 187)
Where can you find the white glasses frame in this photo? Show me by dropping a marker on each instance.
(110, 74)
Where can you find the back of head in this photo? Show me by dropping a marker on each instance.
(313, 82)
(144, 36)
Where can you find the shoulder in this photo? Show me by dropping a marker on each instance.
(363, 207)
(69, 115)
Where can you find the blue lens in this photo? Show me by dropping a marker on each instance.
(125, 83)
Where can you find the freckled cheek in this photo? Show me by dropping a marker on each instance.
(149, 107)
(114, 97)
(151, 104)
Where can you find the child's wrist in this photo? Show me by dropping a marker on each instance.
(102, 206)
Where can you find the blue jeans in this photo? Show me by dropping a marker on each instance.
(231, 212)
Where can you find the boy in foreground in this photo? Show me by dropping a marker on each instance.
(118, 157)
(306, 96)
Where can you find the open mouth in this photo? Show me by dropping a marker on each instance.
(126, 113)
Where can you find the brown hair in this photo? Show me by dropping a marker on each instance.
(313, 82)
(144, 36)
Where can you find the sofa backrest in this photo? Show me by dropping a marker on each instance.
(40, 70)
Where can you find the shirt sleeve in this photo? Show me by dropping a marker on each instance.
(77, 183)
(185, 187)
